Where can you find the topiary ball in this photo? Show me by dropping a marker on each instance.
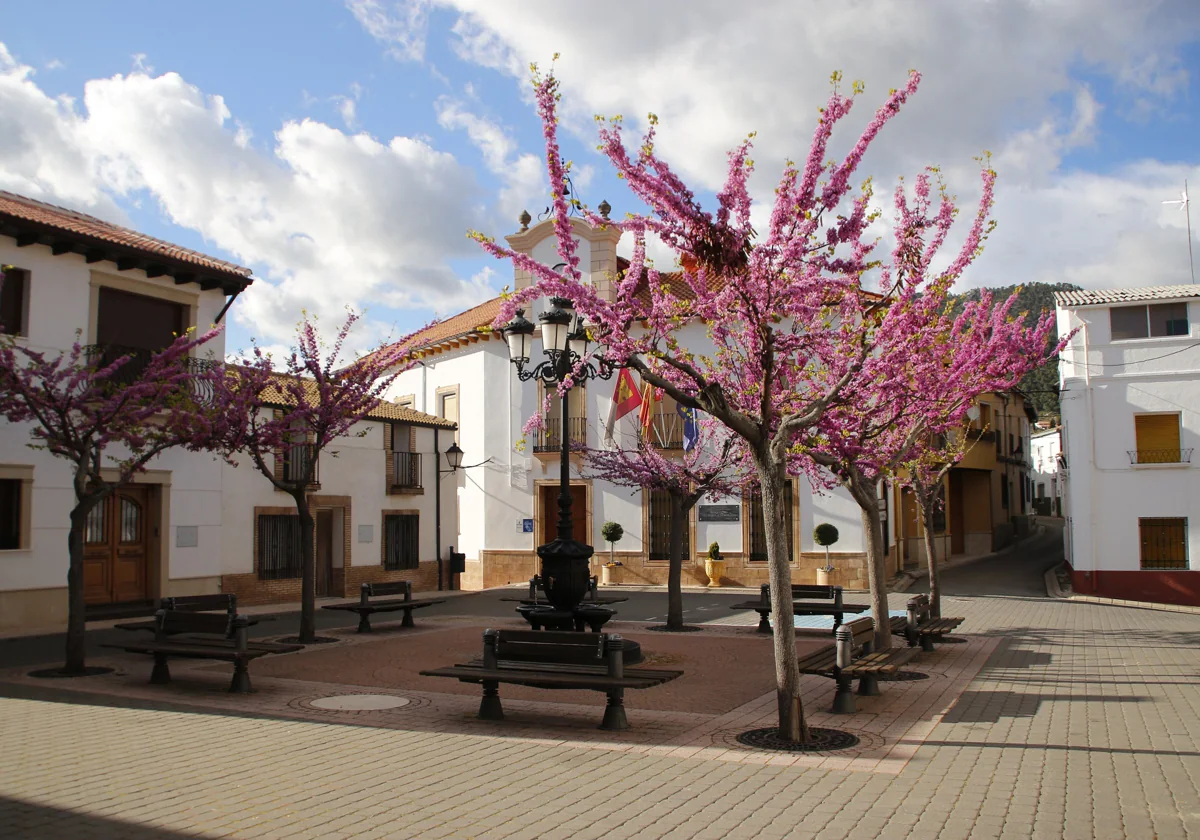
(825, 534)
(612, 532)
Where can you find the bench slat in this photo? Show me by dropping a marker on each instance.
(468, 673)
(383, 606)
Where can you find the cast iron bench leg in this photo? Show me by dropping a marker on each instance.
(764, 623)
(241, 678)
(843, 698)
(161, 674)
(927, 642)
(868, 686)
(614, 711)
(578, 621)
(489, 706)
(408, 621)
(364, 622)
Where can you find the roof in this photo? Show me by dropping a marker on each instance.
(1093, 297)
(383, 410)
(33, 222)
(473, 320)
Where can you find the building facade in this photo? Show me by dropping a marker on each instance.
(189, 524)
(508, 505)
(1130, 391)
(1045, 447)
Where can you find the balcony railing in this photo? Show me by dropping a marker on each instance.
(406, 470)
(100, 356)
(667, 431)
(296, 459)
(1160, 456)
(549, 439)
(986, 435)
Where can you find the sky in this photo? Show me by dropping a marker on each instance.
(343, 150)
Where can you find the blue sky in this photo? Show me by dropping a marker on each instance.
(342, 150)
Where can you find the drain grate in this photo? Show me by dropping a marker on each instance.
(820, 740)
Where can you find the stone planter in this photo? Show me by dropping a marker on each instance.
(610, 575)
(715, 569)
(825, 578)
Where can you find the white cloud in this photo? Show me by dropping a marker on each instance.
(400, 24)
(140, 65)
(329, 219)
(54, 64)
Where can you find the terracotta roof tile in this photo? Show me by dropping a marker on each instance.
(17, 210)
(1091, 297)
(383, 410)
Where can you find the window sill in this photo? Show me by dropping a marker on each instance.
(406, 491)
(1173, 465)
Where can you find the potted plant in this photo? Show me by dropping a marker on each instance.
(611, 533)
(714, 566)
(825, 535)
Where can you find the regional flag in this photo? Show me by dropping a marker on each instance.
(691, 428)
(646, 416)
(625, 399)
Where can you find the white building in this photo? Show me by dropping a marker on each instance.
(508, 505)
(1130, 395)
(1044, 448)
(189, 524)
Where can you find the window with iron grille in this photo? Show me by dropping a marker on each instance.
(279, 547)
(660, 527)
(758, 534)
(14, 289)
(400, 547)
(10, 513)
(1164, 543)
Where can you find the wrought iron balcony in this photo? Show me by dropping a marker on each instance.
(406, 470)
(1160, 456)
(296, 460)
(101, 356)
(549, 439)
(666, 431)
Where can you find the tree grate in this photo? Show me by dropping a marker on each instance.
(319, 640)
(687, 628)
(60, 673)
(903, 676)
(820, 740)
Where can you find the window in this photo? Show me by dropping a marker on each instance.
(278, 546)
(660, 528)
(1153, 321)
(447, 404)
(758, 536)
(1164, 543)
(407, 401)
(1004, 494)
(549, 439)
(10, 514)
(404, 464)
(1157, 439)
(400, 547)
(13, 295)
(666, 430)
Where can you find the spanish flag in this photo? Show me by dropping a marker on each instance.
(646, 416)
(625, 399)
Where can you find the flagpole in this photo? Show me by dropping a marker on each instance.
(1188, 214)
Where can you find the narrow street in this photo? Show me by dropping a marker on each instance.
(1017, 571)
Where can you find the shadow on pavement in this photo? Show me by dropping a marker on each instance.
(30, 821)
(991, 706)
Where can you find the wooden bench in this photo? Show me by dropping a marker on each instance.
(365, 607)
(919, 627)
(548, 659)
(225, 602)
(535, 584)
(852, 657)
(209, 636)
(802, 592)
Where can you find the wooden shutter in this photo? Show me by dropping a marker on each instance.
(1164, 543)
(1157, 438)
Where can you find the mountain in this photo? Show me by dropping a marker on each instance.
(1035, 298)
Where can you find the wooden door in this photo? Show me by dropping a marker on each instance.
(324, 551)
(116, 556)
(549, 498)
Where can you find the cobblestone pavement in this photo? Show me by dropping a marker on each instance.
(1083, 721)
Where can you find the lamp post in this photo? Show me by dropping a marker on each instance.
(565, 560)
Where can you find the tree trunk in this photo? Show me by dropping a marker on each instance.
(927, 501)
(308, 574)
(675, 569)
(76, 606)
(864, 493)
(792, 726)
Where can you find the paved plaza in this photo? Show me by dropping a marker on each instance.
(1056, 719)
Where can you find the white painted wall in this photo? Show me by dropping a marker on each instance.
(1104, 384)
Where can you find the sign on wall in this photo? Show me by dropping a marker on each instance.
(720, 513)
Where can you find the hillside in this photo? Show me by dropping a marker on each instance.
(1034, 298)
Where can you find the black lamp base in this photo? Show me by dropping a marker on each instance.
(565, 572)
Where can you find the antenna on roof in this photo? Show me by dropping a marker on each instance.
(1182, 201)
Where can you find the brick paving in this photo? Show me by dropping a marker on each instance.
(1058, 719)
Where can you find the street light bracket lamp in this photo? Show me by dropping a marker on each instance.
(454, 457)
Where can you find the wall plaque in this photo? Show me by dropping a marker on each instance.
(187, 536)
(720, 513)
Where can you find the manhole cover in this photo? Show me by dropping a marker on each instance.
(359, 702)
(820, 740)
(903, 676)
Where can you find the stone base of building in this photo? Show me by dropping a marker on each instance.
(251, 590)
(504, 568)
(1182, 587)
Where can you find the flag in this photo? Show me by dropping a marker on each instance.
(691, 428)
(646, 416)
(625, 399)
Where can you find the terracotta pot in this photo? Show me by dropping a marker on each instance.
(824, 578)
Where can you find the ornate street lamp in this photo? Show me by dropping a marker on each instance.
(565, 560)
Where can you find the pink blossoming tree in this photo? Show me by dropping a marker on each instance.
(297, 412)
(790, 323)
(107, 419)
(713, 467)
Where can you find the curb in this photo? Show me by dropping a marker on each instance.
(1053, 590)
